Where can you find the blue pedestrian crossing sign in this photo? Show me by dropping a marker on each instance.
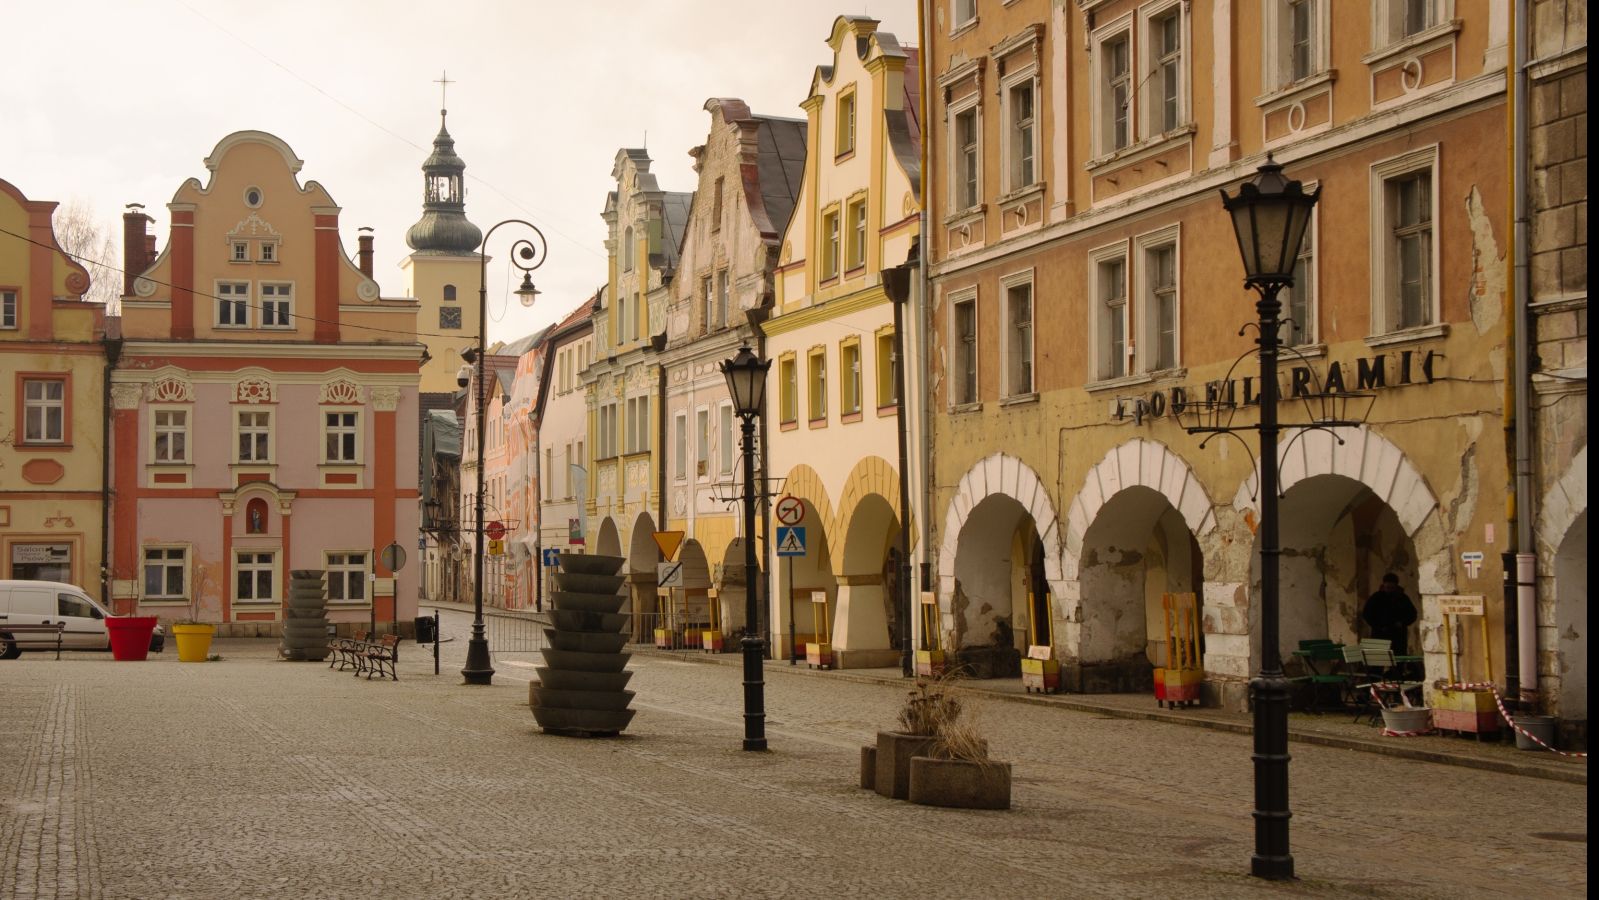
(791, 540)
(552, 558)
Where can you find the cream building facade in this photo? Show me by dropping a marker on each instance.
(623, 384)
(831, 407)
(1086, 290)
(560, 415)
(749, 168)
(54, 503)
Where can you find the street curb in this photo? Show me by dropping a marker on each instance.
(1200, 720)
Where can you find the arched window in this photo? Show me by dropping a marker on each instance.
(255, 516)
(449, 292)
(627, 249)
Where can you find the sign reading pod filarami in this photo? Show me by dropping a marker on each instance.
(1379, 372)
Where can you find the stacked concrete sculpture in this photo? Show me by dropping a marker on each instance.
(305, 631)
(581, 686)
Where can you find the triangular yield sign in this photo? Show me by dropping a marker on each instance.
(668, 542)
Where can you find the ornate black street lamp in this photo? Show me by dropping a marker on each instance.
(746, 382)
(1269, 217)
(527, 254)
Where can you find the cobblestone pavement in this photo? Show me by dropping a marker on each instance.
(252, 777)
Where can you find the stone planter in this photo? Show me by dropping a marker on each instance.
(580, 689)
(960, 783)
(894, 752)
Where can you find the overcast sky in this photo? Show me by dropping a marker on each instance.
(119, 101)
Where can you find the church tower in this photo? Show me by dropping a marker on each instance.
(443, 269)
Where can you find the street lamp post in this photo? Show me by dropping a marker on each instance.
(1269, 216)
(746, 382)
(527, 254)
(897, 284)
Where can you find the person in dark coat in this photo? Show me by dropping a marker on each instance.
(1389, 613)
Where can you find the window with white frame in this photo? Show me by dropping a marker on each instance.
(169, 431)
(1115, 91)
(726, 445)
(964, 12)
(1296, 35)
(241, 251)
(964, 182)
(680, 446)
(702, 442)
(1109, 293)
(254, 574)
(849, 377)
(846, 122)
(830, 244)
(1159, 293)
(255, 436)
(1021, 133)
(1404, 252)
(1299, 305)
(269, 251)
(44, 410)
(887, 386)
(166, 571)
(788, 390)
(341, 432)
(857, 234)
(605, 428)
(722, 298)
(276, 301)
(1018, 319)
(233, 304)
(963, 348)
(638, 424)
(8, 309)
(347, 577)
(547, 477)
(1400, 19)
(708, 304)
(1164, 75)
(818, 384)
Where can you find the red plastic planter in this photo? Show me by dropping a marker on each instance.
(130, 636)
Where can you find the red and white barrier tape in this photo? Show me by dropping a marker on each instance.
(1500, 702)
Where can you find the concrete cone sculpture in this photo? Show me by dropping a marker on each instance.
(581, 685)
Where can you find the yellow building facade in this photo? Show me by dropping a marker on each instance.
(53, 488)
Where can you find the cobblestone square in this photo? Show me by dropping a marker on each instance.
(252, 777)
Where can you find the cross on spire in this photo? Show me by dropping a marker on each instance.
(444, 82)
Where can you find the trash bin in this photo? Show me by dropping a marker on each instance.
(426, 630)
(1541, 727)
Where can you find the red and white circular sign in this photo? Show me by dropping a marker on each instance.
(790, 510)
(495, 530)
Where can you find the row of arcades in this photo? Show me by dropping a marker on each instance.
(1015, 567)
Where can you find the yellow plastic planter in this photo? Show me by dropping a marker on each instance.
(194, 641)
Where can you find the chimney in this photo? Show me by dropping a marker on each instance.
(365, 253)
(149, 250)
(136, 245)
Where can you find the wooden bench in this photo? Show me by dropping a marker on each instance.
(344, 651)
(8, 644)
(375, 658)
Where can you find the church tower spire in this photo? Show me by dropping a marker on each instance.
(444, 228)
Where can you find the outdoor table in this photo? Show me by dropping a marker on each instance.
(1408, 664)
(1320, 680)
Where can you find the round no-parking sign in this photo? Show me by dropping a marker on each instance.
(790, 510)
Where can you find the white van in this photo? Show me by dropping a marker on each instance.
(49, 602)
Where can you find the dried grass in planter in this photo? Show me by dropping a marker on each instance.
(931, 707)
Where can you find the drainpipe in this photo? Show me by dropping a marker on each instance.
(538, 518)
(923, 335)
(113, 353)
(1521, 636)
(897, 285)
(660, 441)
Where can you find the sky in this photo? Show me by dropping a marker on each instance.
(111, 102)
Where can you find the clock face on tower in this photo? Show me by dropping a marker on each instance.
(450, 317)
